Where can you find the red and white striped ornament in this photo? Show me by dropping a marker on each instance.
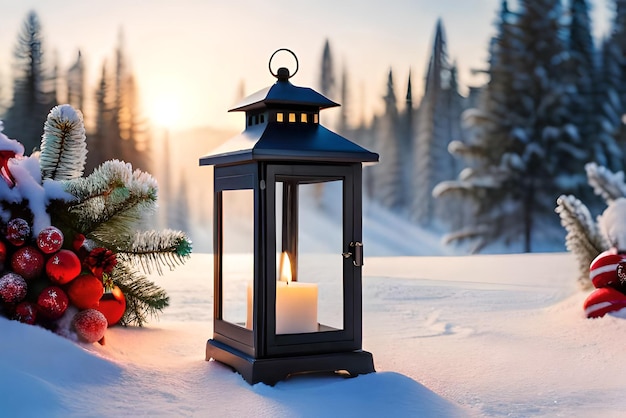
(603, 269)
(602, 301)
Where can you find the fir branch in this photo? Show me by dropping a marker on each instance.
(610, 186)
(152, 249)
(63, 146)
(118, 216)
(113, 196)
(583, 237)
(143, 298)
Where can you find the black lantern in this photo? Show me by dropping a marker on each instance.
(271, 182)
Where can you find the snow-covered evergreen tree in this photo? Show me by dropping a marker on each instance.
(438, 114)
(387, 173)
(33, 86)
(550, 148)
(406, 129)
(581, 69)
(608, 108)
(525, 149)
(614, 54)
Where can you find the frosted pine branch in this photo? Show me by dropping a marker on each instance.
(112, 198)
(583, 237)
(143, 298)
(605, 183)
(151, 249)
(63, 146)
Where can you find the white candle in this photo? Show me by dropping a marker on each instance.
(296, 303)
(296, 307)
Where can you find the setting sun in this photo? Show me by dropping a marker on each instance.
(164, 111)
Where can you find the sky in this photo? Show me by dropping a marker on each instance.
(192, 57)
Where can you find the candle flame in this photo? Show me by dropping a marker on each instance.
(285, 268)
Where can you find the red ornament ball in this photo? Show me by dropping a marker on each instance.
(27, 262)
(63, 267)
(13, 288)
(50, 240)
(3, 254)
(113, 305)
(18, 231)
(26, 312)
(90, 325)
(85, 291)
(602, 301)
(52, 302)
(603, 269)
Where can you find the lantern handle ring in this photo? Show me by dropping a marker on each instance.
(284, 74)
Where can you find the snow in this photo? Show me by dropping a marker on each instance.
(498, 335)
(612, 223)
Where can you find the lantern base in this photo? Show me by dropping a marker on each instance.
(272, 370)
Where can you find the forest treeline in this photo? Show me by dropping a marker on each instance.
(484, 168)
(119, 130)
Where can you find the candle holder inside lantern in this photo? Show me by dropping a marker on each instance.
(288, 250)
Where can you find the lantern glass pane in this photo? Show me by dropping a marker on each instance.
(315, 302)
(237, 256)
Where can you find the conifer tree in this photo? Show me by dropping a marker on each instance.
(552, 154)
(76, 83)
(327, 75)
(615, 53)
(527, 145)
(387, 173)
(438, 114)
(33, 86)
(608, 108)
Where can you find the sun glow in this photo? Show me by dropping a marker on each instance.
(165, 111)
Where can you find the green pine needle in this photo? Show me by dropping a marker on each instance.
(143, 298)
(152, 249)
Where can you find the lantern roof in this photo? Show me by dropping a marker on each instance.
(281, 94)
(286, 128)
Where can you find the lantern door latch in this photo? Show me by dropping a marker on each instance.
(356, 253)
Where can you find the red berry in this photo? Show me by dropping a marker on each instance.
(90, 325)
(13, 288)
(63, 267)
(50, 239)
(52, 302)
(18, 231)
(26, 312)
(112, 305)
(85, 291)
(27, 262)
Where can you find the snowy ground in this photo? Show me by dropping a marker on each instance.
(451, 336)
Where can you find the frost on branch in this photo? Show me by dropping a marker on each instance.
(612, 224)
(583, 237)
(150, 249)
(111, 200)
(605, 183)
(63, 145)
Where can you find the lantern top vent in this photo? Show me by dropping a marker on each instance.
(283, 93)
